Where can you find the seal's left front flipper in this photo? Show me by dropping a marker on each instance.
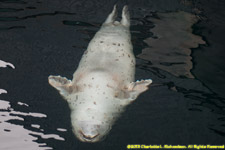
(62, 84)
(136, 88)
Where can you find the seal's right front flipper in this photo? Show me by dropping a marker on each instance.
(62, 84)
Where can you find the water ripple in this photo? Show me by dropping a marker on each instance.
(15, 18)
(20, 137)
(13, 1)
(5, 64)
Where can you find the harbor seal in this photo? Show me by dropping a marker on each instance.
(103, 84)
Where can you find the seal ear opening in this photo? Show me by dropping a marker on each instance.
(136, 88)
(62, 84)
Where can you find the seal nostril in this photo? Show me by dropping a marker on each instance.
(88, 137)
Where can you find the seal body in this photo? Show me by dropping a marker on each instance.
(103, 83)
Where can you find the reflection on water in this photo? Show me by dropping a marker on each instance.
(20, 137)
(45, 37)
(169, 50)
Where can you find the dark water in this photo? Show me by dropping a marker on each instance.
(43, 37)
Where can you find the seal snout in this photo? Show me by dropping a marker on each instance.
(89, 131)
(88, 137)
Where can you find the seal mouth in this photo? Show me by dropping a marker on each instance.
(88, 137)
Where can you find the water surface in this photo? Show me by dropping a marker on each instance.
(185, 104)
